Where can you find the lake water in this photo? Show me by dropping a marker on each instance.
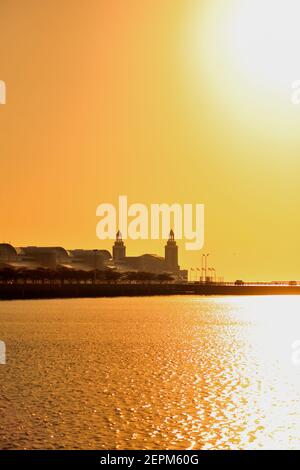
(151, 373)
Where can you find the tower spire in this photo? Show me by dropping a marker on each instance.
(171, 235)
(118, 236)
(171, 253)
(119, 249)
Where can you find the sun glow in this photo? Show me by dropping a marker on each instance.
(247, 52)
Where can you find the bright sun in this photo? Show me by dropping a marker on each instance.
(263, 39)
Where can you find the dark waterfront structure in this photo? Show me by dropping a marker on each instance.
(64, 291)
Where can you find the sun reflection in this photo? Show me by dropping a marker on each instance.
(258, 393)
(169, 373)
(273, 326)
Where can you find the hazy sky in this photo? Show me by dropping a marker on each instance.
(163, 101)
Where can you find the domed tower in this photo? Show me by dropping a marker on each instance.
(119, 249)
(171, 253)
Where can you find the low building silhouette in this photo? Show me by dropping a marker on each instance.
(46, 257)
(8, 254)
(89, 259)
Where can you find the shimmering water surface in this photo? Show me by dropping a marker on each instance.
(151, 373)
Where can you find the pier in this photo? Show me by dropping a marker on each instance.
(50, 291)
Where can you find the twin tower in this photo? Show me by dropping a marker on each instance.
(171, 252)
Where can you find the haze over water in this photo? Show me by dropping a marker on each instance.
(150, 373)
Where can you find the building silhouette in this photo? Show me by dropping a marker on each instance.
(54, 257)
(119, 249)
(171, 254)
(149, 262)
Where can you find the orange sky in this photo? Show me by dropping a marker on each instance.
(111, 97)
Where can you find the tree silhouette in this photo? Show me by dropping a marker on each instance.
(7, 275)
(111, 275)
(164, 277)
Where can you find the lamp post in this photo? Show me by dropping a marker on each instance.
(204, 260)
(95, 265)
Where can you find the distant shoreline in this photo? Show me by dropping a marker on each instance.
(67, 291)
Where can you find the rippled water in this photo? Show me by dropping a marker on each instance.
(151, 373)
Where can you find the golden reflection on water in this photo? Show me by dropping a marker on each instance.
(150, 373)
